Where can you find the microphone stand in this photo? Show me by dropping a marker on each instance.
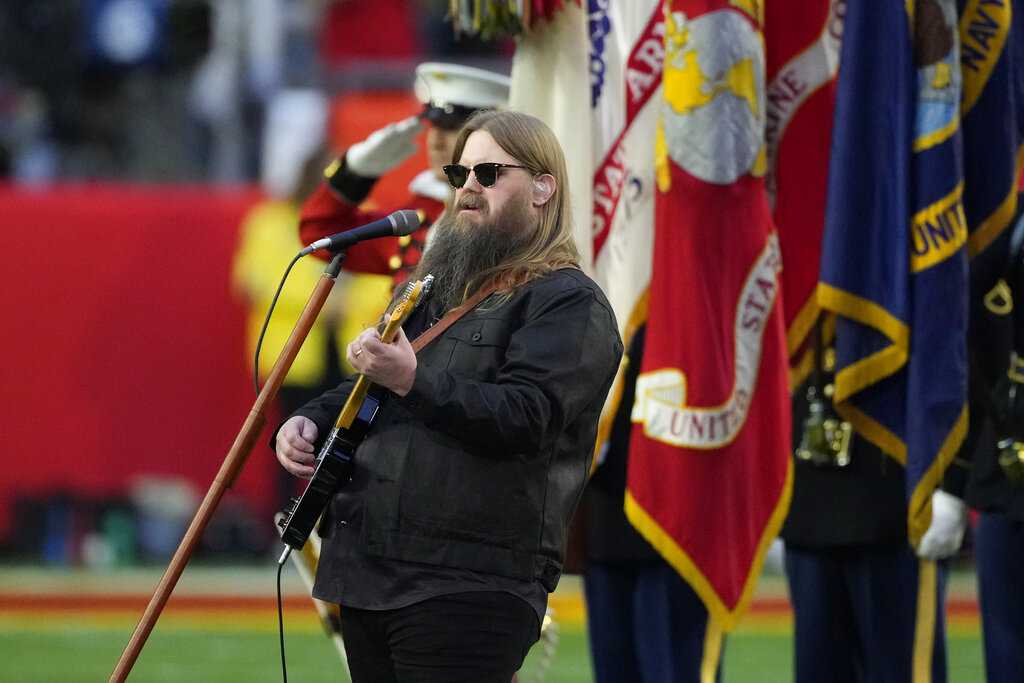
(229, 470)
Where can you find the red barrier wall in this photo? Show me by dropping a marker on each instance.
(122, 344)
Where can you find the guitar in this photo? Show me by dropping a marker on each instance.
(334, 462)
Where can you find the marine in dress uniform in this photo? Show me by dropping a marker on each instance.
(645, 623)
(450, 94)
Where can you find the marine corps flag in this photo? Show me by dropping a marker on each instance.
(710, 468)
(802, 66)
(894, 263)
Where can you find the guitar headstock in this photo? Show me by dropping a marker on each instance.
(412, 295)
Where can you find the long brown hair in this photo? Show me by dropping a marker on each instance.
(535, 146)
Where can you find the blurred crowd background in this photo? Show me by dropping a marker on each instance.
(154, 155)
(164, 147)
(179, 90)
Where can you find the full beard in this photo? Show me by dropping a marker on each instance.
(461, 250)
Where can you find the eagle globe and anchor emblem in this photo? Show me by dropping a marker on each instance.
(713, 121)
(712, 126)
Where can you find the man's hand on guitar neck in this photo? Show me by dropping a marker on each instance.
(392, 366)
(294, 446)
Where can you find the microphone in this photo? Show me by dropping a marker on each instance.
(402, 222)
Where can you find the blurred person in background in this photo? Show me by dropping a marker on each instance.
(240, 74)
(450, 94)
(374, 36)
(644, 621)
(27, 151)
(293, 154)
(37, 95)
(444, 545)
(109, 103)
(995, 475)
(862, 603)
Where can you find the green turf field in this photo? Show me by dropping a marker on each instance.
(89, 655)
(72, 626)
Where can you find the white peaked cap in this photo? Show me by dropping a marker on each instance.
(441, 84)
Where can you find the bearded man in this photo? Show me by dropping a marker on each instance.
(450, 94)
(444, 546)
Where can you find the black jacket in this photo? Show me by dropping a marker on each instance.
(481, 465)
(993, 336)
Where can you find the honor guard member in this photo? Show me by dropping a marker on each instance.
(645, 624)
(450, 94)
(854, 581)
(995, 482)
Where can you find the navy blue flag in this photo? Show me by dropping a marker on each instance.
(894, 260)
(991, 54)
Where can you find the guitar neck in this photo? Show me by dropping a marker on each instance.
(353, 404)
(358, 395)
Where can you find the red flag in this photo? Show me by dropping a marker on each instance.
(802, 67)
(710, 468)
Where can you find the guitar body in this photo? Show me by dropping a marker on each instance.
(332, 470)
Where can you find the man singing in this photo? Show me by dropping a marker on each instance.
(450, 94)
(443, 547)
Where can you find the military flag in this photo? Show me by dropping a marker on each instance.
(710, 469)
(991, 62)
(610, 56)
(721, 468)
(991, 49)
(625, 64)
(802, 66)
(550, 78)
(894, 262)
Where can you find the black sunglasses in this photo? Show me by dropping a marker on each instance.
(486, 173)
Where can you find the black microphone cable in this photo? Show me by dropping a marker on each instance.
(280, 623)
(333, 269)
(256, 386)
(266, 322)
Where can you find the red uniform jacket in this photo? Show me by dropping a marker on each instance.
(328, 211)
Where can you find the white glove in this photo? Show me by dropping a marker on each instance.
(384, 149)
(946, 532)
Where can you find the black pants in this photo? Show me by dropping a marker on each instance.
(476, 637)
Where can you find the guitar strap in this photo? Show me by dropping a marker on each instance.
(450, 317)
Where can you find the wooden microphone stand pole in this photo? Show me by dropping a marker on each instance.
(229, 470)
